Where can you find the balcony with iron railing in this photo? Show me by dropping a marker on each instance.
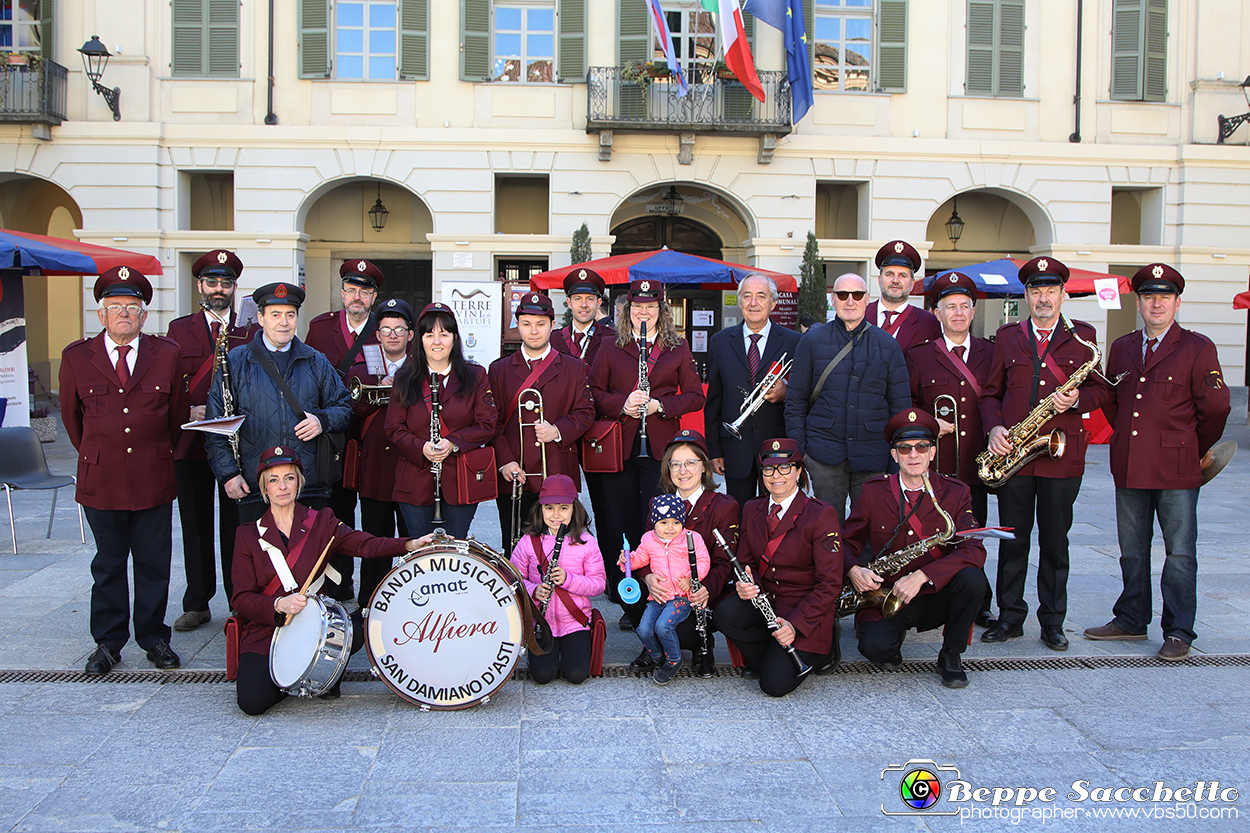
(32, 91)
(642, 97)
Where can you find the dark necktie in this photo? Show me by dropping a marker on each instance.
(753, 355)
(1150, 347)
(889, 318)
(959, 351)
(774, 519)
(577, 340)
(689, 509)
(1043, 338)
(123, 369)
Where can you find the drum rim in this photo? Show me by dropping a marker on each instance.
(325, 604)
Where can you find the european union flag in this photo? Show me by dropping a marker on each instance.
(787, 15)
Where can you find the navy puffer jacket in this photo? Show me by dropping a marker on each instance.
(869, 385)
(270, 420)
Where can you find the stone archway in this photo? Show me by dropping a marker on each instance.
(994, 227)
(680, 234)
(686, 217)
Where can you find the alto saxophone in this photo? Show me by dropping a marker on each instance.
(219, 361)
(1026, 437)
(851, 600)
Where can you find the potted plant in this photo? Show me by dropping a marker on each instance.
(44, 424)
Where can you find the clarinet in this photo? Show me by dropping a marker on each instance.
(551, 568)
(644, 385)
(702, 614)
(436, 438)
(227, 393)
(761, 602)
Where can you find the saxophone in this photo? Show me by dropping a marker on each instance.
(219, 362)
(1026, 437)
(892, 564)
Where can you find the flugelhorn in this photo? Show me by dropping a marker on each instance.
(373, 394)
(949, 413)
(758, 394)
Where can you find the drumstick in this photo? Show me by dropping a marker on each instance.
(317, 567)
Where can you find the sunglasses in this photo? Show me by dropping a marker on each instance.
(213, 283)
(857, 294)
(905, 449)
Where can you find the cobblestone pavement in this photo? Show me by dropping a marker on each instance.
(152, 753)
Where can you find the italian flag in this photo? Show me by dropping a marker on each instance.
(734, 41)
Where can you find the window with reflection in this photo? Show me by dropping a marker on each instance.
(525, 43)
(842, 32)
(364, 40)
(19, 25)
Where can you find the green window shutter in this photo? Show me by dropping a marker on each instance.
(1010, 74)
(475, 40)
(1155, 85)
(980, 49)
(314, 38)
(223, 38)
(414, 40)
(633, 31)
(809, 28)
(748, 26)
(46, 29)
(892, 46)
(1126, 37)
(571, 55)
(189, 56)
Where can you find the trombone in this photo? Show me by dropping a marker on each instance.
(534, 404)
(373, 394)
(949, 413)
(756, 398)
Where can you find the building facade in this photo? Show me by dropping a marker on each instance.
(490, 130)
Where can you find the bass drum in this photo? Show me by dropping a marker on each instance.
(445, 628)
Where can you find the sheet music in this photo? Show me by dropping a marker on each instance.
(373, 359)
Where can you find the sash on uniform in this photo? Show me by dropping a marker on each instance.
(892, 327)
(961, 365)
(534, 373)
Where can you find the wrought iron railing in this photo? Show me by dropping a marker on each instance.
(712, 104)
(33, 92)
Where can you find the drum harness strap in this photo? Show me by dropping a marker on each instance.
(282, 568)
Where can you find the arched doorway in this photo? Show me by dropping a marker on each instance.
(645, 234)
(338, 224)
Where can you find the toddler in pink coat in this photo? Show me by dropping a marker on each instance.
(567, 587)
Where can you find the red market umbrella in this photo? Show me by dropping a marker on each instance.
(1242, 300)
(665, 266)
(57, 256)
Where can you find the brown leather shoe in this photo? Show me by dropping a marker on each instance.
(192, 619)
(1111, 631)
(1174, 649)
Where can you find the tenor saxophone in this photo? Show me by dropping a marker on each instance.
(1026, 437)
(220, 362)
(892, 564)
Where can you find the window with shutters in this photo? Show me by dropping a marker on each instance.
(995, 48)
(20, 26)
(843, 33)
(1139, 38)
(206, 38)
(364, 40)
(525, 42)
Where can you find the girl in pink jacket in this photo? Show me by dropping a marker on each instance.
(566, 587)
(666, 550)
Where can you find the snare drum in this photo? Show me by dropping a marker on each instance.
(444, 628)
(310, 651)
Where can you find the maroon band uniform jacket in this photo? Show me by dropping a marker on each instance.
(916, 326)
(1166, 414)
(934, 372)
(713, 510)
(600, 332)
(804, 576)
(566, 405)
(376, 479)
(325, 333)
(1008, 394)
(876, 516)
(195, 340)
(674, 382)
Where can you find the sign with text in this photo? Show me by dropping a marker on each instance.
(478, 306)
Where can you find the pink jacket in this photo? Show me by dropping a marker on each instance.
(585, 577)
(670, 559)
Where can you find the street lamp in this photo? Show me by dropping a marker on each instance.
(95, 57)
(377, 214)
(1227, 126)
(955, 225)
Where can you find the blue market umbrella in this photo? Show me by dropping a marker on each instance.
(995, 279)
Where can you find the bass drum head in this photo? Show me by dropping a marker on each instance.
(444, 628)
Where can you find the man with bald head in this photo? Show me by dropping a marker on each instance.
(848, 379)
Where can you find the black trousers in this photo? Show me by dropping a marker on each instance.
(741, 622)
(381, 518)
(980, 510)
(146, 535)
(343, 502)
(747, 488)
(571, 653)
(954, 606)
(504, 504)
(196, 486)
(1051, 499)
(254, 689)
(250, 513)
(628, 493)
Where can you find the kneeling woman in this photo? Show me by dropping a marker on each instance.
(295, 535)
(791, 545)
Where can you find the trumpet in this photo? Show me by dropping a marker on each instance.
(950, 413)
(758, 394)
(373, 394)
(534, 404)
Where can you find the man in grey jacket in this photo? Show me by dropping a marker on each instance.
(841, 428)
(325, 404)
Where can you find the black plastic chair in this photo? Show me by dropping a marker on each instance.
(24, 466)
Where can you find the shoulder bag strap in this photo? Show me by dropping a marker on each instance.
(820, 384)
(272, 369)
(365, 333)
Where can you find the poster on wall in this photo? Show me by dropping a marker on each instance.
(14, 386)
(786, 313)
(478, 306)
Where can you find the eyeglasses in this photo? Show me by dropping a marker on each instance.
(362, 291)
(680, 465)
(213, 283)
(387, 332)
(116, 309)
(905, 449)
(857, 294)
(783, 469)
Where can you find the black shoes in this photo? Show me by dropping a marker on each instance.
(749, 673)
(102, 660)
(985, 619)
(1002, 631)
(192, 619)
(624, 624)
(1053, 638)
(665, 673)
(950, 666)
(891, 663)
(643, 662)
(162, 656)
